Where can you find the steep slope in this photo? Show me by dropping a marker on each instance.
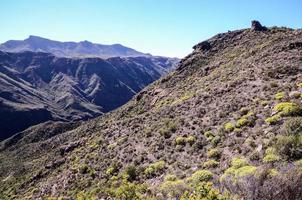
(69, 49)
(230, 114)
(36, 87)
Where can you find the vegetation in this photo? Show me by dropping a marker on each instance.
(214, 153)
(229, 127)
(288, 109)
(279, 95)
(154, 168)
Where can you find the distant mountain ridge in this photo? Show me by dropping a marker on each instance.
(36, 87)
(69, 49)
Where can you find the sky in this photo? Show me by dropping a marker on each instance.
(160, 27)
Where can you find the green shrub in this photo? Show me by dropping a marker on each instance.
(180, 140)
(168, 128)
(129, 191)
(288, 109)
(131, 173)
(299, 85)
(204, 191)
(214, 153)
(244, 111)
(264, 103)
(279, 95)
(293, 126)
(113, 169)
(245, 171)
(215, 140)
(170, 177)
(271, 158)
(239, 168)
(246, 120)
(289, 146)
(241, 122)
(273, 119)
(238, 162)
(173, 189)
(229, 127)
(210, 164)
(208, 134)
(191, 139)
(154, 168)
(200, 176)
(299, 163)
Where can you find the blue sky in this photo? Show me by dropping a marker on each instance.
(159, 27)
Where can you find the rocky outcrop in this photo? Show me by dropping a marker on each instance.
(256, 26)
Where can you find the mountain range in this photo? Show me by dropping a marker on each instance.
(38, 86)
(69, 49)
(226, 124)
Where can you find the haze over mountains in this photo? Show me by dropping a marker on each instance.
(69, 49)
(36, 86)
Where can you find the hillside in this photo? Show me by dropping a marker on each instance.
(69, 49)
(36, 87)
(226, 124)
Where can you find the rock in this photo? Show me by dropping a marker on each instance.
(256, 26)
(204, 46)
(69, 147)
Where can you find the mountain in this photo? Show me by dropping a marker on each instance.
(36, 87)
(69, 49)
(225, 125)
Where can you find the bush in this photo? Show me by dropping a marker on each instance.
(214, 153)
(174, 188)
(131, 173)
(271, 158)
(246, 120)
(208, 134)
(180, 140)
(155, 168)
(168, 128)
(215, 140)
(279, 95)
(229, 127)
(204, 191)
(210, 164)
(290, 147)
(170, 177)
(288, 109)
(191, 139)
(238, 162)
(129, 191)
(241, 122)
(293, 126)
(200, 176)
(113, 169)
(239, 168)
(273, 119)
